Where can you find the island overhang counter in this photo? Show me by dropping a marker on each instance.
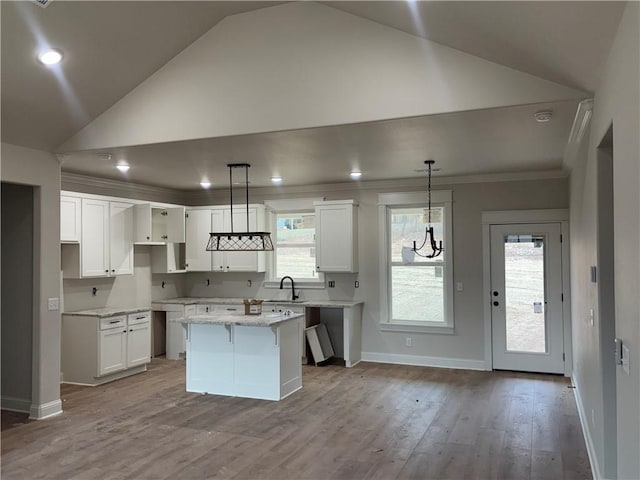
(251, 356)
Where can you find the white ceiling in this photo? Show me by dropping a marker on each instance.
(110, 47)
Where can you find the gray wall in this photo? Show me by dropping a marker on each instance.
(616, 102)
(134, 290)
(469, 200)
(17, 295)
(41, 170)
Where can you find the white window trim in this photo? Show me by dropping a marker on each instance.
(439, 198)
(293, 205)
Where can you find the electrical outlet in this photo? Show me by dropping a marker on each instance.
(356, 284)
(459, 286)
(332, 283)
(407, 342)
(249, 283)
(53, 304)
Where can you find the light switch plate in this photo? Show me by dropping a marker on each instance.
(459, 286)
(53, 304)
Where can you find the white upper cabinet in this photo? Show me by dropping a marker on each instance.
(155, 224)
(106, 241)
(337, 236)
(70, 208)
(94, 246)
(198, 226)
(120, 238)
(200, 223)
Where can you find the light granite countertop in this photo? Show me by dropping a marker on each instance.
(239, 301)
(224, 318)
(107, 311)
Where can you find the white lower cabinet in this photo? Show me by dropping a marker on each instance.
(113, 350)
(98, 349)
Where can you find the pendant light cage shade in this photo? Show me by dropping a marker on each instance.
(239, 241)
(245, 242)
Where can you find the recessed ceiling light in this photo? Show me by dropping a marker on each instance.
(205, 183)
(276, 179)
(50, 57)
(123, 167)
(355, 174)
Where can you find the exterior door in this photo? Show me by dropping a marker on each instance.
(526, 298)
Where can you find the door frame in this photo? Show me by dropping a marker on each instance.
(505, 217)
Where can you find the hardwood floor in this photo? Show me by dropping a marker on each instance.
(372, 421)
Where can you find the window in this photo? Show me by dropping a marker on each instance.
(293, 231)
(295, 245)
(416, 293)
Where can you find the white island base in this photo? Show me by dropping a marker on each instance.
(248, 361)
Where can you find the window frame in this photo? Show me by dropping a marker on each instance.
(387, 202)
(289, 206)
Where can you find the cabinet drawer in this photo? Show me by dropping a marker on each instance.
(113, 322)
(229, 308)
(140, 317)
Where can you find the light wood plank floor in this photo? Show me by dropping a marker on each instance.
(372, 421)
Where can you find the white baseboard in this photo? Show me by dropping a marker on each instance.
(14, 404)
(45, 410)
(422, 361)
(586, 431)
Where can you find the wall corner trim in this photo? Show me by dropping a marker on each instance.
(45, 410)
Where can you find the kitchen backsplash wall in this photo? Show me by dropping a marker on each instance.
(136, 290)
(237, 285)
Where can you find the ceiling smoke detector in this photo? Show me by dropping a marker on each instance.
(543, 116)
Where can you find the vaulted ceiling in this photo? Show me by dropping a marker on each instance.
(116, 52)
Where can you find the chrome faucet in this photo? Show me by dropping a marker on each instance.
(293, 288)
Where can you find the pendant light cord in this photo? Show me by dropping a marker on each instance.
(429, 191)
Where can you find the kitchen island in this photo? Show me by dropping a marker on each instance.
(251, 356)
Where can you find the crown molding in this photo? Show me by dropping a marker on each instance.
(117, 188)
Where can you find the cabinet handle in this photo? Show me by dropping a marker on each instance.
(106, 271)
(495, 304)
(124, 331)
(114, 321)
(147, 238)
(318, 267)
(131, 330)
(113, 271)
(140, 318)
(164, 237)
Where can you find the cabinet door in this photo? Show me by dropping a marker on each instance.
(218, 225)
(95, 238)
(113, 347)
(121, 238)
(138, 344)
(142, 223)
(70, 219)
(336, 246)
(241, 261)
(198, 226)
(175, 225)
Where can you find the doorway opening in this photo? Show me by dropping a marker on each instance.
(17, 290)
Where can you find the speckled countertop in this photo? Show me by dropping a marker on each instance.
(224, 318)
(233, 301)
(107, 311)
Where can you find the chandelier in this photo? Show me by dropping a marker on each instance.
(245, 241)
(429, 238)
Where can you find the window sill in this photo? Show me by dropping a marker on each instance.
(303, 285)
(416, 328)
